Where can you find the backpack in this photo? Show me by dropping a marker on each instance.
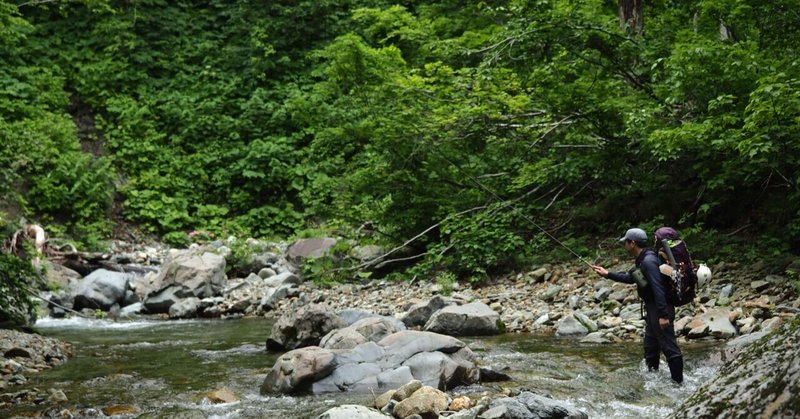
(683, 286)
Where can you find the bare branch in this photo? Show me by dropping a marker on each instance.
(35, 2)
(377, 259)
(555, 197)
(386, 262)
(549, 125)
(576, 146)
(490, 175)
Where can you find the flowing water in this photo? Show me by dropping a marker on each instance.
(165, 369)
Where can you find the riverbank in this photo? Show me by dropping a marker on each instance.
(26, 354)
(561, 299)
(538, 301)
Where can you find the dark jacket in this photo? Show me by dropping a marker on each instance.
(648, 263)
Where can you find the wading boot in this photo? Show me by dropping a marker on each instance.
(676, 369)
(652, 363)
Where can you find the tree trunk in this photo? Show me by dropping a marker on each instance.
(631, 16)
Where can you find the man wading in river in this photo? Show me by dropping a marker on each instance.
(659, 334)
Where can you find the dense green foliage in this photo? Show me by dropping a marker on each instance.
(488, 120)
(17, 277)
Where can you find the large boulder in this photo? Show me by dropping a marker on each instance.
(303, 327)
(296, 370)
(60, 275)
(367, 329)
(471, 319)
(101, 289)
(571, 326)
(438, 360)
(309, 249)
(715, 322)
(761, 381)
(419, 314)
(186, 273)
(351, 316)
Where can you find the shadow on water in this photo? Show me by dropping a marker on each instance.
(166, 368)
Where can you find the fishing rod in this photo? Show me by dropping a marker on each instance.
(35, 294)
(527, 218)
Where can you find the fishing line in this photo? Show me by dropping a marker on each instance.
(508, 203)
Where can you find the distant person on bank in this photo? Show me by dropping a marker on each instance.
(659, 333)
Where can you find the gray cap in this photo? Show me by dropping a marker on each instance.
(635, 234)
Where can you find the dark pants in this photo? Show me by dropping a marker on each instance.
(658, 340)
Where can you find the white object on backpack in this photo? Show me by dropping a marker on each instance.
(703, 275)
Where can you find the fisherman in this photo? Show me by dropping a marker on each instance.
(659, 332)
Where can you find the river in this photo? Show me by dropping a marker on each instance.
(164, 369)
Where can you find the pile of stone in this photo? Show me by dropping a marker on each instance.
(24, 354)
(566, 299)
(416, 400)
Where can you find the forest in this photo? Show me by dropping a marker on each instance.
(477, 136)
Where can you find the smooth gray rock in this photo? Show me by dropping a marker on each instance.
(351, 316)
(719, 324)
(419, 314)
(100, 289)
(131, 310)
(351, 411)
(570, 326)
(545, 408)
(440, 360)
(507, 408)
(59, 274)
(473, 319)
(275, 295)
(309, 249)
(284, 278)
(186, 308)
(431, 368)
(345, 338)
(395, 378)
(588, 323)
(161, 301)
(726, 291)
(354, 377)
(404, 344)
(296, 370)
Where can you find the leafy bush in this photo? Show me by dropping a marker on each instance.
(446, 280)
(18, 280)
(265, 120)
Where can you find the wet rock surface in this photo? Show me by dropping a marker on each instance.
(761, 380)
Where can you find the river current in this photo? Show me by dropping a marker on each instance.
(165, 369)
